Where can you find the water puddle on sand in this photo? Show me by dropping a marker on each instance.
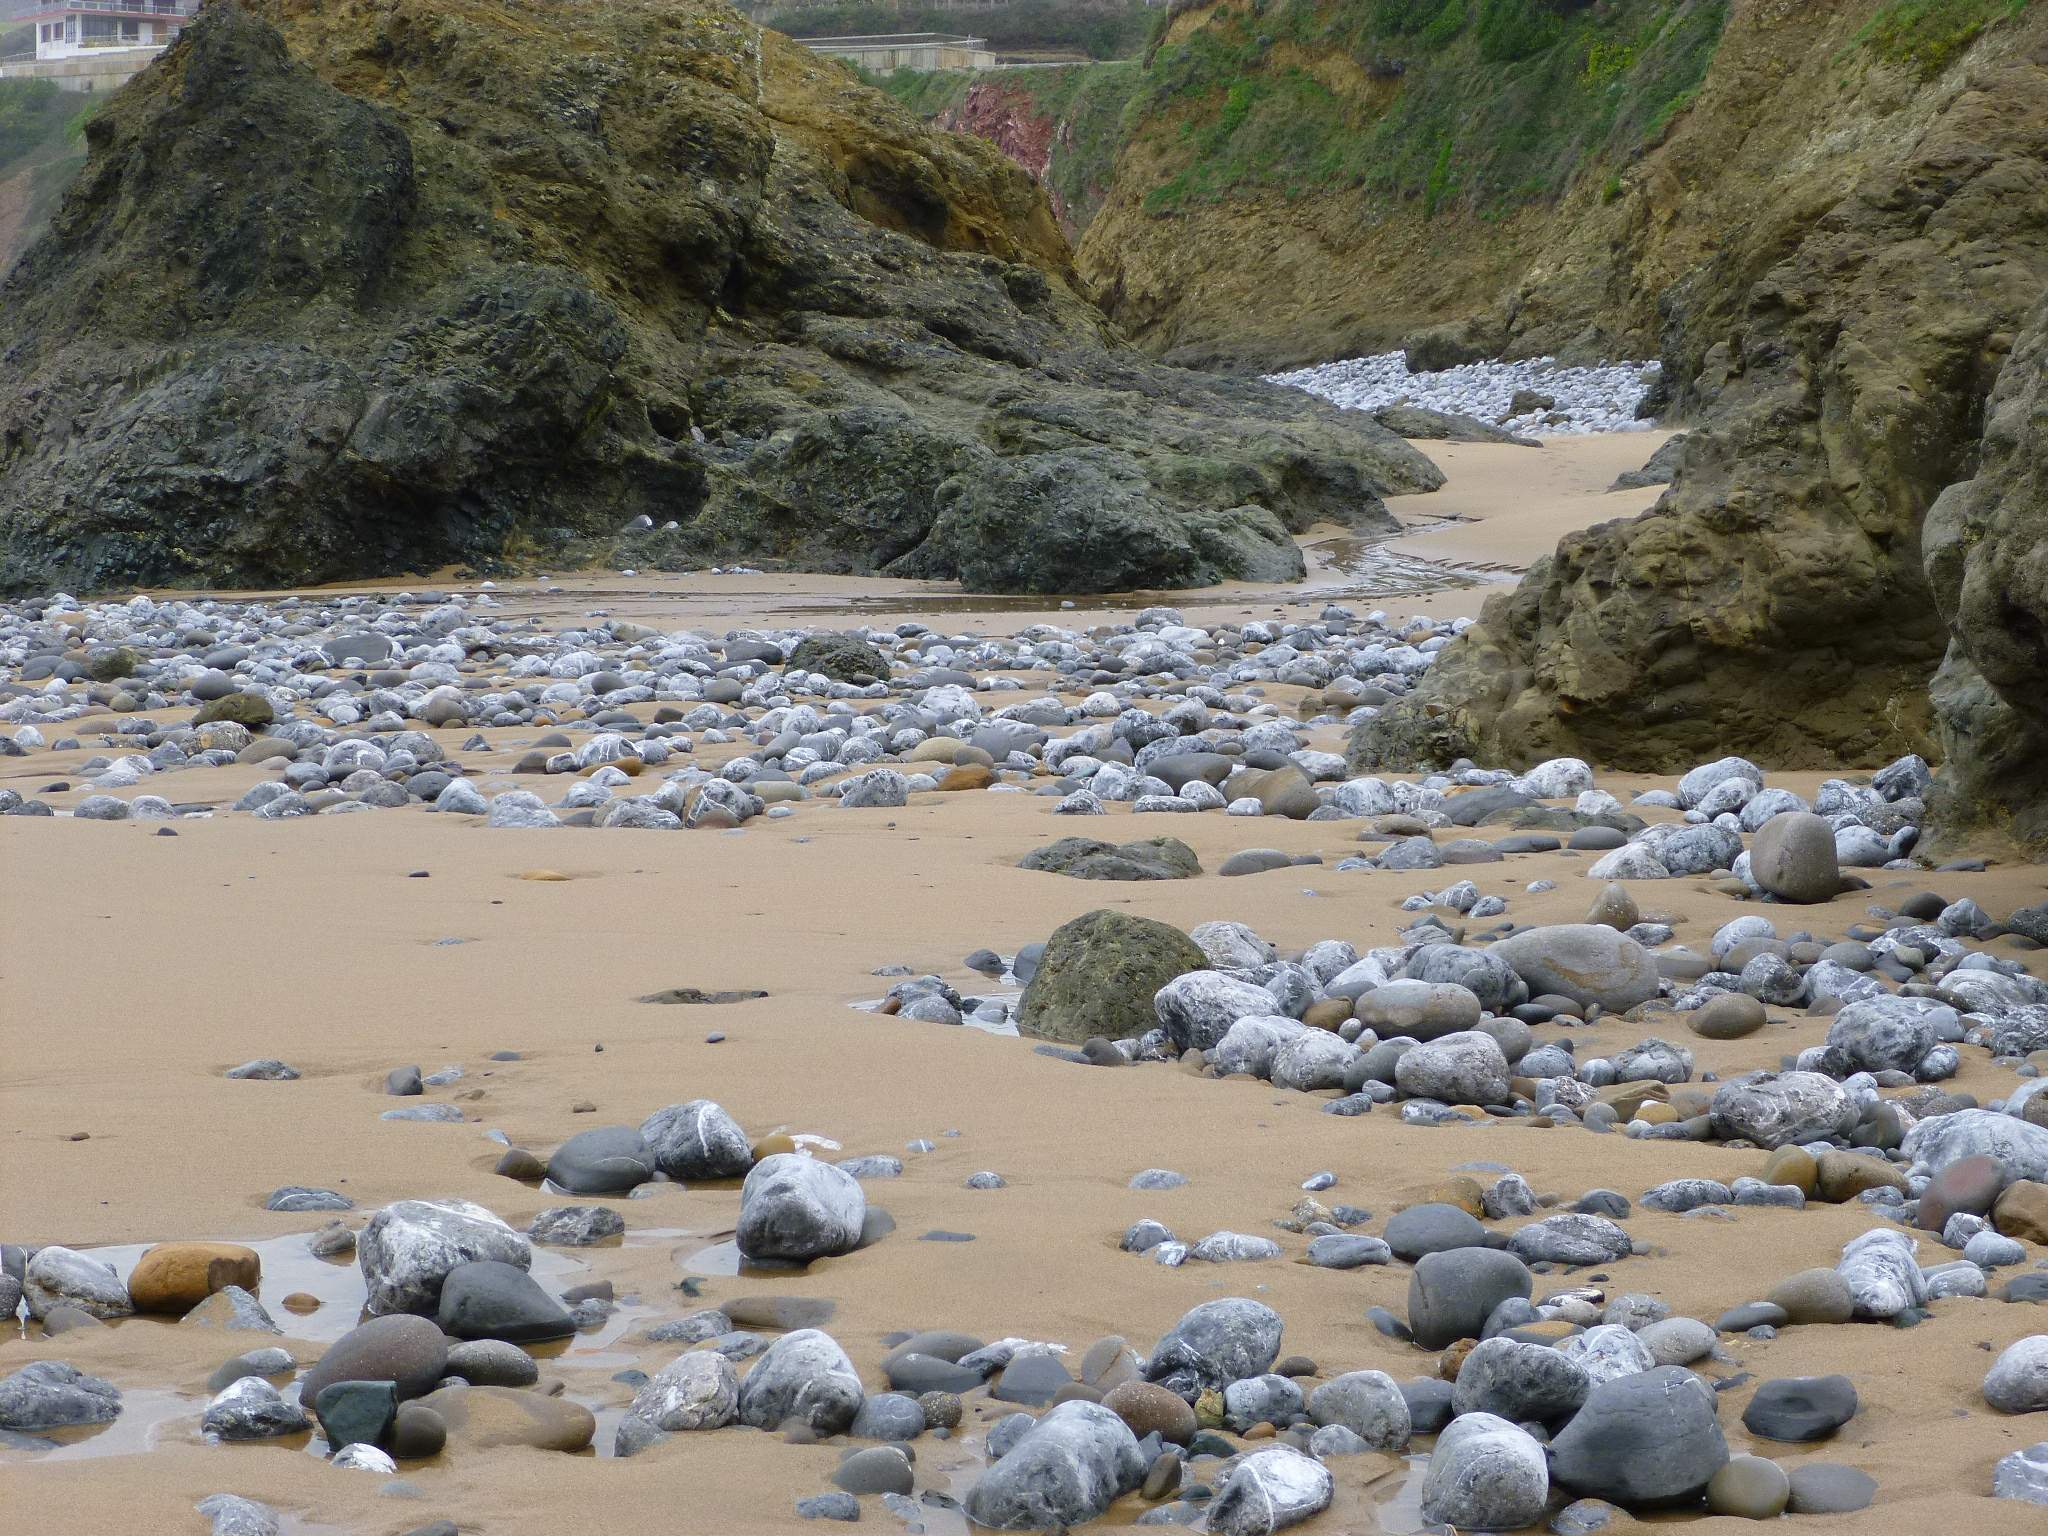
(145, 1414)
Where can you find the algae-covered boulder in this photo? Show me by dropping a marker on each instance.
(1088, 858)
(843, 658)
(1099, 973)
(1837, 355)
(1986, 547)
(431, 281)
(245, 709)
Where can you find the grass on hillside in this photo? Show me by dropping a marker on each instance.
(1930, 35)
(1091, 102)
(1488, 104)
(1105, 29)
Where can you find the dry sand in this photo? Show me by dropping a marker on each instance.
(134, 969)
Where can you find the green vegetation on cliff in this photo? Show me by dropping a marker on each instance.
(1487, 103)
(1930, 35)
(42, 146)
(1083, 111)
(1109, 29)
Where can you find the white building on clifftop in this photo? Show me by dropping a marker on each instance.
(90, 45)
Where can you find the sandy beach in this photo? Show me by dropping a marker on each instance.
(135, 969)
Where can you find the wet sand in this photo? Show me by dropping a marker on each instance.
(134, 969)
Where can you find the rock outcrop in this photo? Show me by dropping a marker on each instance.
(1986, 544)
(1838, 357)
(377, 285)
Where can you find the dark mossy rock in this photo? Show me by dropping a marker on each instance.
(250, 709)
(116, 661)
(843, 658)
(1089, 858)
(1098, 975)
(431, 283)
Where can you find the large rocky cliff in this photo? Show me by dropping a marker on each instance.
(1837, 354)
(366, 286)
(1301, 179)
(1986, 543)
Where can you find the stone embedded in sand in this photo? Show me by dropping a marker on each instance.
(250, 1408)
(1882, 1275)
(175, 1277)
(693, 1391)
(1728, 1016)
(609, 1160)
(232, 1515)
(487, 1299)
(1774, 1109)
(1799, 1408)
(481, 1418)
(1585, 962)
(1215, 1344)
(1643, 1441)
(1099, 975)
(48, 1394)
(1452, 1293)
(697, 1140)
(795, 1208)
(1088, 858)
(2018, 1379)
(1367, 1403)
(409, 1247)
(1066, 1470)
(1793, 858)
(1270, 1490)
(1752, 1487)
(411, 1352)
(59, 1276)
(803, 1376)
(1485, 1474)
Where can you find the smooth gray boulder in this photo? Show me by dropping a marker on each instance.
(62, 1277)
(1215, 1344)
(409, 1247)
(252, 1409)
(697, 1140)
(1485, 1474)
(1369, 1404)
(1571, 1237)
(2019, 1145)
(48, 1394)
(488, 1299)
(803, 1376)
(1793, 858)
(1422, 1010)
(1882, 1273)
(1519, 1382)
(1197, 1008)
(608, 1160)
(693, 1391)
(1452, 1293)
(1064, 1471)
(1586, 962)
(1775, 1109)
(1270, 1490)
(1467, 1067)
(409, 1351)
(794, 1209)
(1644, 1442)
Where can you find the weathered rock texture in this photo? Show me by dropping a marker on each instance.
(1986, 544)
(1837, 352)
(375, 285)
